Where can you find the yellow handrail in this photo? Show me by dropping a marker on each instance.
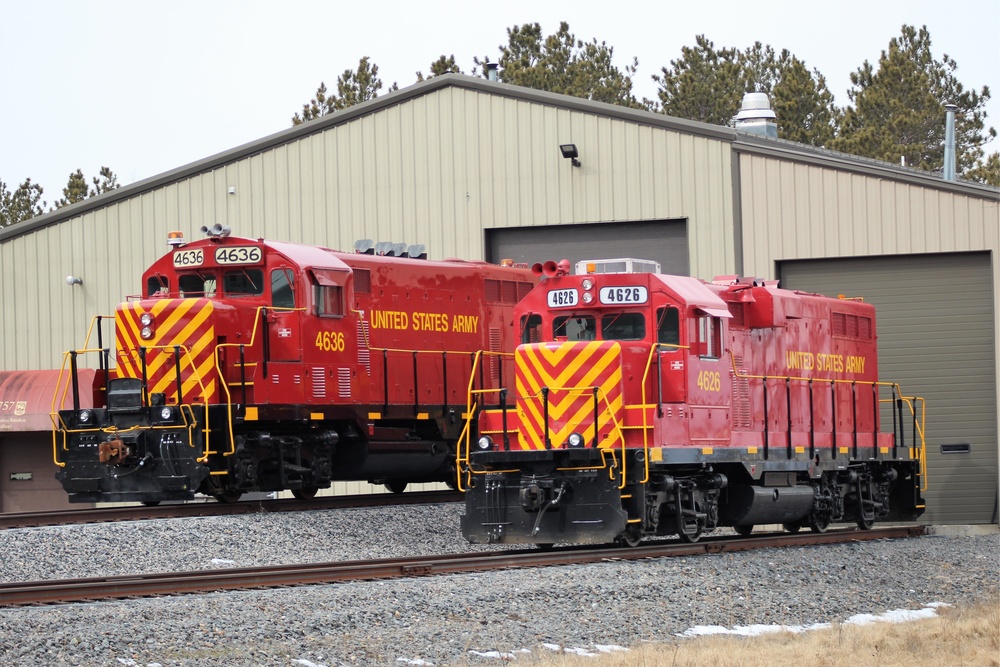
(221, 375)
(656, 347)
(908, 400)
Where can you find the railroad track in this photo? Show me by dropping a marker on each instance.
(62, 591)
(212, 508)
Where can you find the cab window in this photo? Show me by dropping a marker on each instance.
(245, 282)
(531, 328)
(709, 336)
(197, 285)
(282, 294)
(623, 326)
(575, 327)
(329, 300)
(157, 286)
(668, 327)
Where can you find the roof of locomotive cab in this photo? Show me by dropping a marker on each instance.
(694, 292)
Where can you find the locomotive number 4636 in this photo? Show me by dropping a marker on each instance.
(330, 341)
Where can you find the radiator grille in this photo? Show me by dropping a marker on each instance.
(362, 281)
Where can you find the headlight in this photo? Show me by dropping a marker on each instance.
(85, 416)
(575, 440)
(484, 443)
(146, 319)
(146, 333)
(587, 284)
(166, 413)
(587, 297)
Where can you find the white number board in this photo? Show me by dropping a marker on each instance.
(616, 296)
(241, 254)
(563, 298)
(184, 258)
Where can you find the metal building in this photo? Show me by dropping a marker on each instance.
(475, 169)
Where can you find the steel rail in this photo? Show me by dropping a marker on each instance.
(213, 508)
(17, 594)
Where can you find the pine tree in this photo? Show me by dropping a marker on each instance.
(561, 63)
(353, 87)
(443, 65)
(898, 108)
(22, 204)
(704, 84)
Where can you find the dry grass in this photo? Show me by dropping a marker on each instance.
(957, 636)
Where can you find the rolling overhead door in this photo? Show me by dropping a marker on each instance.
(936, 339)
(662, 241)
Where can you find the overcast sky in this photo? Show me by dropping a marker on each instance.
(145, 87)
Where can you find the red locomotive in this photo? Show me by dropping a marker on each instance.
(252, 365)
(646, 404)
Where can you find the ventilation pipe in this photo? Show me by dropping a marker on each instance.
(756, 116)
(491, 71)
(949, 141)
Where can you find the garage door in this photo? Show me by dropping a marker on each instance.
(662, 241)
(936, 339)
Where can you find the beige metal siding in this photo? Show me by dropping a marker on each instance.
(935, 338)
(437, 169)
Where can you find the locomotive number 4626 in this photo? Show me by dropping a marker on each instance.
(709, 381)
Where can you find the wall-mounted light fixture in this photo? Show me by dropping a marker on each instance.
(231, 190)
(570, 153)
(73, 280)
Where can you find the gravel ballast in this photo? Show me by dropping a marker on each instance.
(440, 620)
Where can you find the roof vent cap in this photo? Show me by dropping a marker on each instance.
(756, 116)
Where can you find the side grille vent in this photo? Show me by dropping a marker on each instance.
(364, 354)
(344, 382)
(741, 396)
(319, 382)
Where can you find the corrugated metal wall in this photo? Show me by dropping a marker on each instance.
(796, 209)
(437, 169)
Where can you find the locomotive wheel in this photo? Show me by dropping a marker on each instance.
(150, 503)
(631, 536)
(691, 539)
(545, 546)
(396, 485)
(865, 524)
(305, 493)
(792, 527)
(228, 497)
(743, 530)
(818, 524)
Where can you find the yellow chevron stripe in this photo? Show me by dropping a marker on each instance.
(572, 365)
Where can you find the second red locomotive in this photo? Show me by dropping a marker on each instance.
(646, 404)
(254, 365)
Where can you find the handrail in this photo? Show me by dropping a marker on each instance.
(919, 424)
(464, 456)
(653, 349)
(58, 402)
(221, 375)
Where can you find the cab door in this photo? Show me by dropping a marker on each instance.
(709, 379)
(671, 356)
(283, 321)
